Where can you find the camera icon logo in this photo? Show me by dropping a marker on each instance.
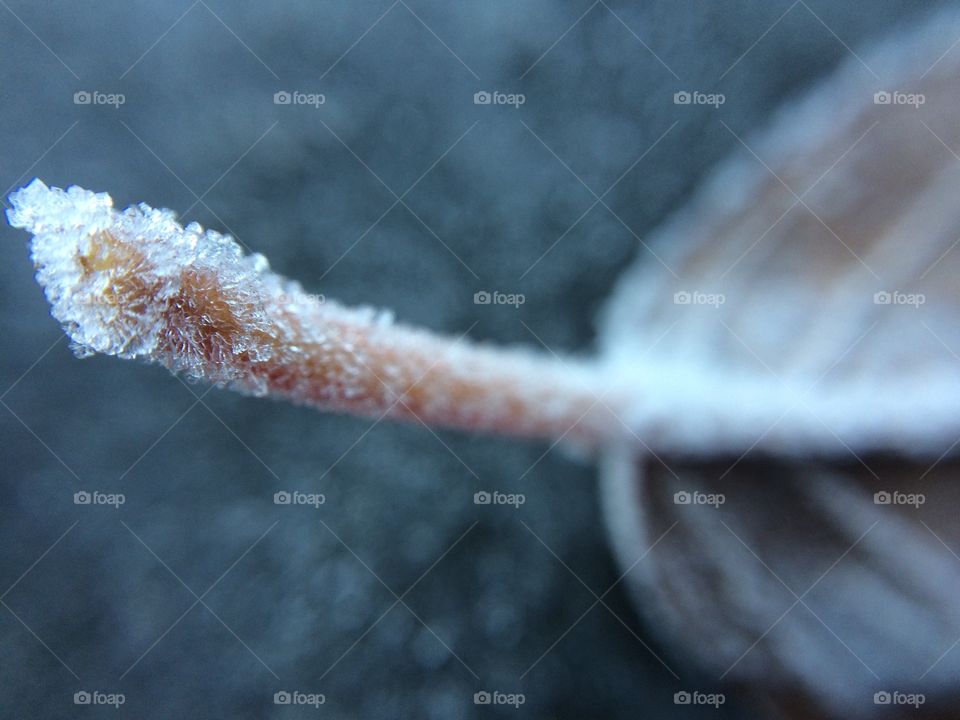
(881, 698)
(681, 298)
(681, 498)
(882, 97)
(481, 298)
(681, 698)
(882, 298)
(282, 698)
(282, 97)
(682, 98)
(82, 698)
(882, 498)
(82, 97)
(82, 498)
(481, 698)
(482, 98)
(482, 498)
(282, 498)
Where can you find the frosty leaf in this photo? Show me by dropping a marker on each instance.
(817, 305)
(807, 296)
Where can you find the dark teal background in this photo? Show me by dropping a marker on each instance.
(305, 186)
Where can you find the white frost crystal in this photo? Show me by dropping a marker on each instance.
(111, 276)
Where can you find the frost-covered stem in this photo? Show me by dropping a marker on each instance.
(137, 284)
(372, 369)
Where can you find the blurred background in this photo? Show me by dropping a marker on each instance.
(405, 154)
